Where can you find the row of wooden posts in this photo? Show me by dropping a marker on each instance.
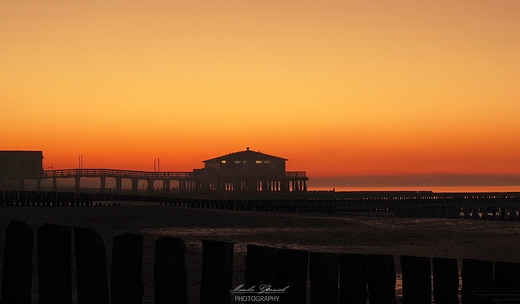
(34, 198)
(429, 210)
(45, 198)
(334, 278)
(503, 212)
(401, 206)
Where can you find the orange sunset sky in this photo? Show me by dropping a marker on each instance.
(340, 88)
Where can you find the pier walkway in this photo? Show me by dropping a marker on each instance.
(189, 182)
(119, 175)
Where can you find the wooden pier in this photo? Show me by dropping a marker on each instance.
(188, 182)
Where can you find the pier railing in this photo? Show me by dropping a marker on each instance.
(114, 173)
(295, 174)
(275, 275)
(63, 173)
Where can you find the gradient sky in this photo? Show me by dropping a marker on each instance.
(340, 88)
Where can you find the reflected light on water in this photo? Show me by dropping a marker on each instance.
(443, 189)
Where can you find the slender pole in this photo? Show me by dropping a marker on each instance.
(156, 165)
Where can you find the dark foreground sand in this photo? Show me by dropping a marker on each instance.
(338, 233)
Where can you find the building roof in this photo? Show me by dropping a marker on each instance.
(16, 153)
(246, 155)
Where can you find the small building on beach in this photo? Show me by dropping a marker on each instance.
(21, 164)
(248, 172)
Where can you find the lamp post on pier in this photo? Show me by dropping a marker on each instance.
(156, 165)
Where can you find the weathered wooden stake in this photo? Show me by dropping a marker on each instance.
(474, 210)
(170, 274)
(217, 272)
(292, 275)
(381, 279)
(445, 281)
(17, 271)
(507, 275)
(476, 274)
(54, 264)
(127, 269)
(416, 276)
(323, 274)
(353, 279)
(261, 265)
(91, 264)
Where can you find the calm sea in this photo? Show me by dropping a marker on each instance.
(437, 189)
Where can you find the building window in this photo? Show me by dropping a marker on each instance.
(223, 161)
(237, 162)
(258, 161)
(267, 161)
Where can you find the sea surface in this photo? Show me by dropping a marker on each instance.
(437, 189)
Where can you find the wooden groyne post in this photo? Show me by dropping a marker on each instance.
(476, 274)
(127, 269)
(292, 273)
(170, 274)
(261, 264)
(445, 280)
(381, 279)
(507, 275)
(217, 272)
(91, 264)
(18, 265)
(54, 264)
(323, 276)
(416, 280)
(353, 278)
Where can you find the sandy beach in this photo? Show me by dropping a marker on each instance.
(337, 233)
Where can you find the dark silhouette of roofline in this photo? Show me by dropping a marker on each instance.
(247, 152)
(21, 152)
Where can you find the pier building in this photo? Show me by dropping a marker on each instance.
(248, 172)
(244, 172)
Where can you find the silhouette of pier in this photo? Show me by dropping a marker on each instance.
(189, 182)
(241, 172)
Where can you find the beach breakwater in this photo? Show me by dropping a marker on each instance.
(476, 206)
(284, 273)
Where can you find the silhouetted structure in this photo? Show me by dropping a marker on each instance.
(247, 172)
(21, 165)
(235, 173)
(360, 276)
